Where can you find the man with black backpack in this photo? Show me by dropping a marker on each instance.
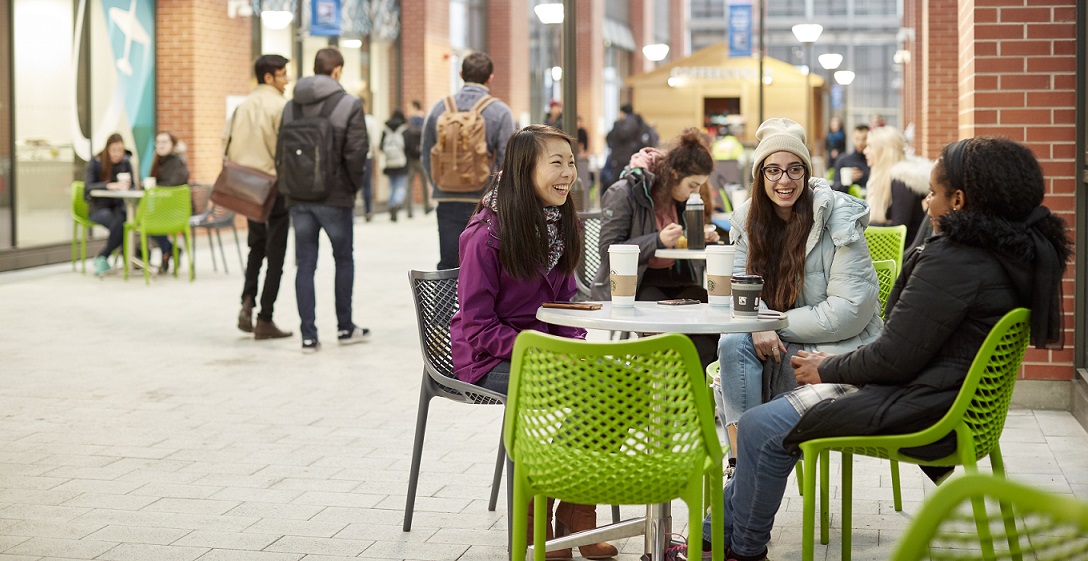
(451, 135)
(320, 157)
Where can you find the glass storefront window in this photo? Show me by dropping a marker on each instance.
(6, 216)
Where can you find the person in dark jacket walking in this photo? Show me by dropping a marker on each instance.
(396, 162)
(334, 213)
(995, 249)
(628, 135)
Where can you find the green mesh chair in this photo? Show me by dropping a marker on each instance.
(1050, 527)
(887, 242)
(591, 257)
(163, 211)
(856, 192)
(886, 273)
(81, 225)
(621, 422)
(977, 417)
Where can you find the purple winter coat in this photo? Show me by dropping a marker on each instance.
(495, 307)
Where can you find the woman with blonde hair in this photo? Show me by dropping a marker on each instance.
(897, 183)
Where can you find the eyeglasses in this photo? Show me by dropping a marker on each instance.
(774, 173)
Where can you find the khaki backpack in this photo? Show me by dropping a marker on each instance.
(459, 159)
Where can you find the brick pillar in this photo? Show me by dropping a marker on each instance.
(425, 47)
(678, 29)
(591, 70)
(937, 72)
(202, 57)
(508, 27)
(1017, 79)
(642, 27)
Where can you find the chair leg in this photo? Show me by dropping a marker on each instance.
(498, 474)
(997, 463)
(147, 259)
(847, 504)
(211, 250)
(238, 246)
(808, 524)
(175, 256)
(615, 513)
(417, 451)
(75, 233)
(825, 501)
(222, 253)
(897, 493)
(189, 248)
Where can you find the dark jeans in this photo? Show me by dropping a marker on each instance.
(452, 219)
(309, 220)
(114, 219)
(267, 241)
(497, 379)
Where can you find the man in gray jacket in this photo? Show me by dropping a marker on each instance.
(333, 213)
(454, 209)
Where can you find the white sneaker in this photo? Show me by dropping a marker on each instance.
(352, 336)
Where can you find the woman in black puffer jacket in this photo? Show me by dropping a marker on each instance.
(995, 249)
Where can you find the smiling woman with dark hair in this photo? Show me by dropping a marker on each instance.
(996, 249)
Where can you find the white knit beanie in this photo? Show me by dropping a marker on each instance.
(778, 135)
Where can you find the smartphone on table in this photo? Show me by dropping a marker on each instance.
(573, 305)
(678, 302)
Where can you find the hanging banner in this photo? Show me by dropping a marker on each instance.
(325, 18)
(740, 30)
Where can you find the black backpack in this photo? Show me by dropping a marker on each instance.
(413, 141)
(306, 163)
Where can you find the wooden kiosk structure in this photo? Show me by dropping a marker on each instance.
(710, 83)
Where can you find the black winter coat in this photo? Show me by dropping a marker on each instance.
(953, 290)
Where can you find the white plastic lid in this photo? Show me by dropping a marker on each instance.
(695, 198)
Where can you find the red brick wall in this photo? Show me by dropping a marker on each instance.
(202, 57)
(508, 46)
(590, 47)
(937, 69)
(1017, 74)
(678, 29)
(425, 47)
(642, 27)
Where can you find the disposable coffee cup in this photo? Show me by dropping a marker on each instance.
(719, 274)
(149, 183)
(746, 291)
(125, 177)
(623, 274)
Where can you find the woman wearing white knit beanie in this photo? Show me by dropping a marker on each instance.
(807, 243)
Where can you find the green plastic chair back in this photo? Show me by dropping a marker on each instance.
(620, 422)
(886, 273)
(887, 242)
(1050, 527)
(856, 192)
(977, 417)
(163, 211)
(81, 223)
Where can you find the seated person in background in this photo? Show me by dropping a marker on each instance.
(103, 173)
(518, 251)
(996, 249)
(807, 242)
(852, 169)
(646, 208)
(897, 183)
(169, 170)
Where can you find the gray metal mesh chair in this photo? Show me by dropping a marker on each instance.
(591, 255)
(212, 217)
(435, 295)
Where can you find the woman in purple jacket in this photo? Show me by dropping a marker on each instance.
(518, 251)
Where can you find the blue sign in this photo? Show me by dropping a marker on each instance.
(325, 18)
(740, 30)
(836, 96)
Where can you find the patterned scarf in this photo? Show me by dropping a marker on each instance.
(552, 216)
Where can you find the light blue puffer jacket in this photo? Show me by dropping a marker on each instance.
(838, 308)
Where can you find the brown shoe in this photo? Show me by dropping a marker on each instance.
(557, 555)
(268, 330)
(570, 518)
(245, 317)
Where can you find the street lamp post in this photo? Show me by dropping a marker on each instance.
(807, 34)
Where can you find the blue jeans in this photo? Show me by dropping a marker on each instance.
(743, 374)
(452, 219)
(497, 379)
(309, 220)
(112, 218)
(368, 185)
(752, 497)
(398, 184)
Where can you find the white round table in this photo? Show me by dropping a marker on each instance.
(680, 253)
(132, 198)
(651, 317)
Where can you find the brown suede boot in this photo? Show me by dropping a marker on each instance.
(268, 330)
(570, 518)
(245, 317)
(558, 555)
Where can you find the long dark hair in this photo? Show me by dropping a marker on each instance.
(104, 156)
(160, 159)
(524, 248)
(776, 248)
(689, 156)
